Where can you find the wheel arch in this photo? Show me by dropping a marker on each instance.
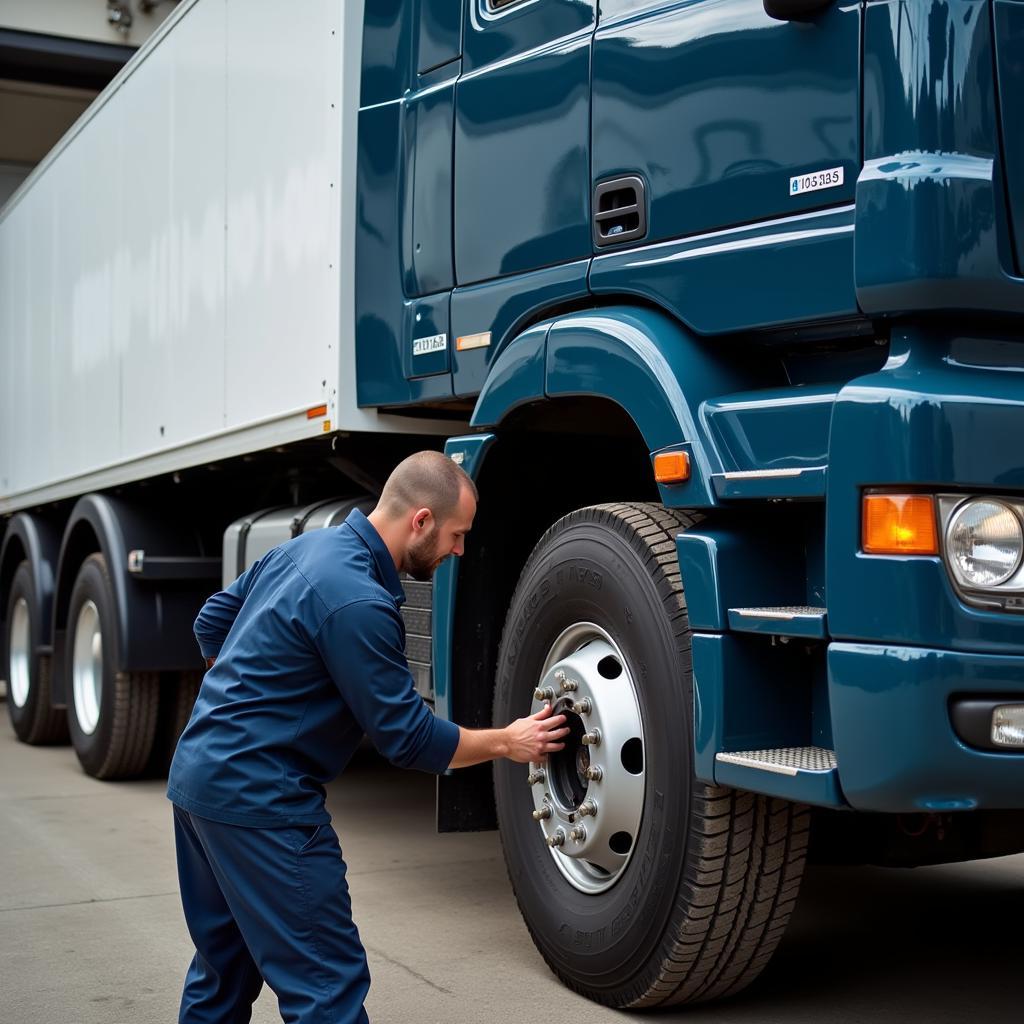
(92, 528)
(637, 358)
(34, 539)
(472, 593)
(154, 621)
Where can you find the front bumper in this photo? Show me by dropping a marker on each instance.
(894, 740)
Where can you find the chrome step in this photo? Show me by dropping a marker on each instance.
(789, 482)
(808, 775)
(786, 620)
(783, 760)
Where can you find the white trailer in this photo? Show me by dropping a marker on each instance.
(176, 276)
(177, 350)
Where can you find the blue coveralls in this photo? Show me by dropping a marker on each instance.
(310, 656)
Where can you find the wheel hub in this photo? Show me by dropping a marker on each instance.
(87, 667)
(588, 798)
(20, 653)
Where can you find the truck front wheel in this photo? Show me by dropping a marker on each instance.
(112, 715)
(640, 886)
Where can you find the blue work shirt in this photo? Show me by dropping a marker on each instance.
(310, 649)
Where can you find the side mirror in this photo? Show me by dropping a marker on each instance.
(794, 10)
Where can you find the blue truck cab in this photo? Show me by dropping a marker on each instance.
(731, 291)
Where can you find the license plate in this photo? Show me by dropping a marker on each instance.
(831, 178)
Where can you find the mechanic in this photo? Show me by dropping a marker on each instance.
(305, 655)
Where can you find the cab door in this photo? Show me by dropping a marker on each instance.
(725, 114)
(522, 137)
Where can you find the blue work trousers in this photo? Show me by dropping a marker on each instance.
(268, 904)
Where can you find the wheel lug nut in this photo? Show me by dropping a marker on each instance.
(559, 676)
(568, 685)
(543, 812)
(558, 839)
(592, 738)
(578, 834)
(595, 772)
(544, 693)
(583, 706)
(537, 775)
(588, 807)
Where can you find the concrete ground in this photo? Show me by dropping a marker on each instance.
(91, 930)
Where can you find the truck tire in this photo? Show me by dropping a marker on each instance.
(676, 891)
(177, 699)
(112, 715)
(28, 673)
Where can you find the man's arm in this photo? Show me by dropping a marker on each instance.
(361, 645)
(217, 616)
(526, 739)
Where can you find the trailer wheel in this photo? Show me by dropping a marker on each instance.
(640, 886)
(177, 699)
(112, 714)
(28, 673)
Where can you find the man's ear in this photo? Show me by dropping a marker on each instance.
(421, 520)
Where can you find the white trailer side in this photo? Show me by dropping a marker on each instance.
(176, 276)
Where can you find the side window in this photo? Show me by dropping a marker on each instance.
(497, 5)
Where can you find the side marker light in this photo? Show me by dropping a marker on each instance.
(471, 341)
(671, 467)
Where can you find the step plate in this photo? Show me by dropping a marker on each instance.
(786, 612)
(787, 620)
(791, 482)
(784, 760)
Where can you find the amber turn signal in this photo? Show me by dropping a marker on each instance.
(899, 524)
(671, 467)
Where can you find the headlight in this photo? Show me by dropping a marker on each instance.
(984, 543)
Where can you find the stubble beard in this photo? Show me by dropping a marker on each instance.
(422, 560)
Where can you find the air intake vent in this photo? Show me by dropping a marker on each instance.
(620, 211)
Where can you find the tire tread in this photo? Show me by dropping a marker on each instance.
(133, 710)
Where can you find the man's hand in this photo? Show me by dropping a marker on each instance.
(533, 738)
(526, 739)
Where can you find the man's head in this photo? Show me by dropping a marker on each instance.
(424, 512)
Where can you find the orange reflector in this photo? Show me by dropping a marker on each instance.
(317, 410)
(470, 341)
(899, 524)
(671, 467)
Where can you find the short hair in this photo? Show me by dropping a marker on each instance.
(425, 479)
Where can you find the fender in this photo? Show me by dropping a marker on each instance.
(36, 540)
(641, 359)
(465, 800)
(154, 627)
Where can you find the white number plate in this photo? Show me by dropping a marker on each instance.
(426, 346)
(831, 178)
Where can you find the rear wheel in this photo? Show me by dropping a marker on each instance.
(112, 715)
(28, 673)
(640, 886)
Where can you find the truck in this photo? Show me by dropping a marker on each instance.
(720, 303)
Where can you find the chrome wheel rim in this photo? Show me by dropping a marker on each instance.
(87, 667)
(20, 652)
(589, 798)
